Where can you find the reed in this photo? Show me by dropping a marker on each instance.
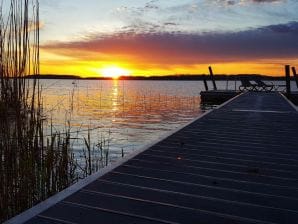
(32, 167)
(96, 156)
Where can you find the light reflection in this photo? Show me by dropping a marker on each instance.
(131, 113)
(115, 93)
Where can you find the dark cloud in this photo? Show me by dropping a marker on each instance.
(264, 1)
(237, 2)
(270, 42)
(230, 2)
(290, 28)
(170, 24)
(152, 5)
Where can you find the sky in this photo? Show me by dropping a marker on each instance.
(161, 37)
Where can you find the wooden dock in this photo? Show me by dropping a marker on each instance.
(217, 97)
(236, 164)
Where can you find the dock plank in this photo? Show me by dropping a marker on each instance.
(237, 164)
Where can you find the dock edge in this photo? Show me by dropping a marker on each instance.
(55, 199)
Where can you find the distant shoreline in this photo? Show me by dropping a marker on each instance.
(166, 78)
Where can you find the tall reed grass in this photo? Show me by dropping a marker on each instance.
(32, 167)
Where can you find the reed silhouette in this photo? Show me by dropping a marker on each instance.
(32, 166)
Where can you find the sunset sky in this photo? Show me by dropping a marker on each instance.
(158, 37)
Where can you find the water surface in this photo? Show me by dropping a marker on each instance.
(125, 114)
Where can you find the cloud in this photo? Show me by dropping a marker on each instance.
(290, 28)
(266, 1)
(152, 4)
(235, 2)
(269, 42)
(214, 15)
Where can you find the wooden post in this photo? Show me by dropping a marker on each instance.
(205, 84)
(288, 79)
(212, 78)
(295, 75)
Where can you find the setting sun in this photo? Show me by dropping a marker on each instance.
(114, 72)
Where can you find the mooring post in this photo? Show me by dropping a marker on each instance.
(212, 78)
(288, 79)
(295, 75)
(205, 83)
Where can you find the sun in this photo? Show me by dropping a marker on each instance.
(114, 72)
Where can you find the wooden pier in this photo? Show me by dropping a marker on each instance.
(236, 164)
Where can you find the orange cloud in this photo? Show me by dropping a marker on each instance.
(261, 50)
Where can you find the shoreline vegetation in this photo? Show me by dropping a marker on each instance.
(199, 77)
(33, 165)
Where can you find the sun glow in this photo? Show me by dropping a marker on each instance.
(114, 72)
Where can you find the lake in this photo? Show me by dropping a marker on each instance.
(124, 114)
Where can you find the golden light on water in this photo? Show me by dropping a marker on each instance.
(114, 72)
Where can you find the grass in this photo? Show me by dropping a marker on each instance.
(32, 166)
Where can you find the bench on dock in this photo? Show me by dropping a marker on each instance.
(247, 85)
(262, 86)
(259, 86)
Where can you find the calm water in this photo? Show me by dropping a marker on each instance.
(125, 114)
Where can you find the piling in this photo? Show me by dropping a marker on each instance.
(288, 79)
(212, 78)
(205, 84)
(295, 75)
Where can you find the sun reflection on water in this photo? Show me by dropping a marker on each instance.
(115, 96)
(131, 113)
